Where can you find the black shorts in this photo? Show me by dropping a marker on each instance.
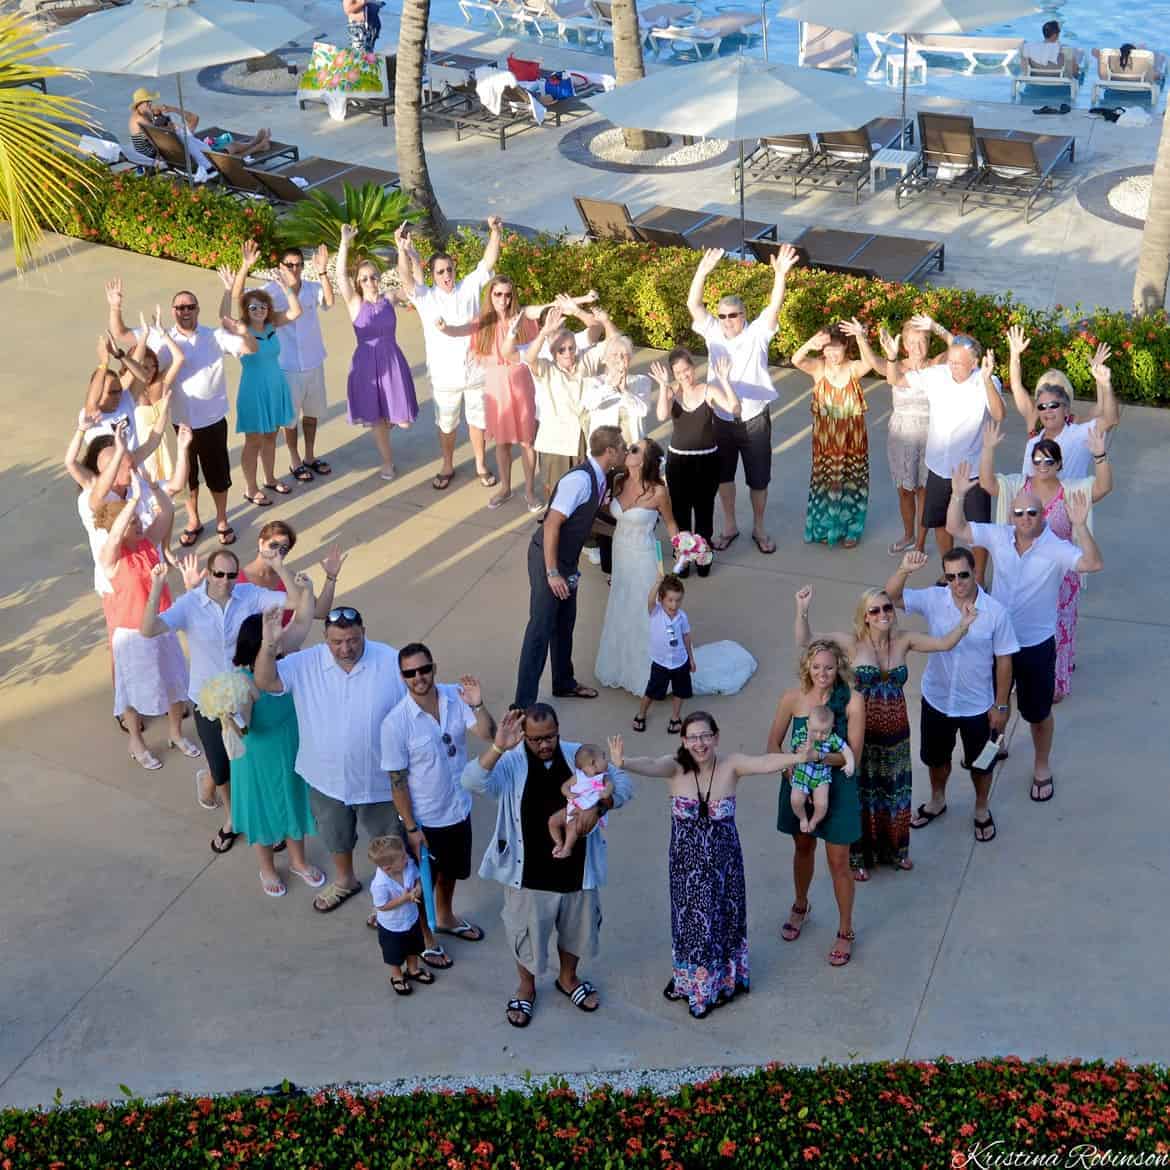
(211, 737)
(450, 850)
(750, 441)
(663, 679)
(1034, 677)
(397, 945)
(976, 504)
(938, 733)
(209, 450)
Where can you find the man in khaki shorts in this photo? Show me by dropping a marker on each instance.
(302, 356)
(524, 768)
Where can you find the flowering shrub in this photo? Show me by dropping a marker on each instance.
(907, 1116)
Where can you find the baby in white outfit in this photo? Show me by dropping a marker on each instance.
(588, 786)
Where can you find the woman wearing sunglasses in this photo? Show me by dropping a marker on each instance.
(877, 649)
(1049, 415)
(278, 538)
(1046, 478)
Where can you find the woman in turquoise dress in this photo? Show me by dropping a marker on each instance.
(270, 800)
(263, 402)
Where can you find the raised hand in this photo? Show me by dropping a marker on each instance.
(158, 576)
(164, 403)
(114, 292)
(251, 254)
(227, 274)
(272, 624)
(784, 259)
(1095, 441)
(804, 597)
(1017, 341)
(590, 298)
(992, 434)
(722, 367)
(961, 478)
(913, 561)
(231, 325)
(348, 233)
(710, 257)
(968, 615)
(617, 751)
(495, 223)
(853, 328)
(333, 559)
(819, 340)
(186, 436)
(1098, 367)
(890, 343)
(121, 435)
(472, 690)
(987, 365)
(554, 320)
(103, 350)
(923, 322)
(1076, 504)
(157, 322)
(87, 419)
(660, 374)
(510, 731)
(401, 235)
(191, 572)
(321, 259)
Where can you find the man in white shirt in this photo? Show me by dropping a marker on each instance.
(424, 749)
(962, 395)
(456, 378)
(1030, 563)
(965, 690)
(747, 436)
(302, 356)
(200, 398)
(343, 689)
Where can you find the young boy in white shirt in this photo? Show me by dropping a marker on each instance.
(397, 891)
(672, 660)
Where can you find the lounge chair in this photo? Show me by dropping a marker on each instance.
(842, 162)
(461, 108)
(901, 259)
(663, 237)
(496, 9)
(1062, 74)
(604, 220)
(1003, 49)
(561, 15)
(781, 158)
(236, 175)
(170, 147)
(1017, 170)
(650, 17)
(949, 161)
(319, 174)
(822, 47)
(707, 35)
(1146, 73)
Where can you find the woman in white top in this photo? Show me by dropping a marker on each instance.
(618, 398)
(1050, 415)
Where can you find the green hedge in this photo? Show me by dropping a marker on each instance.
(904, 1116)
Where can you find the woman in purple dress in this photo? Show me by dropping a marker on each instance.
(381, 389)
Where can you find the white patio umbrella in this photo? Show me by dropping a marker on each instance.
(737, 98)
(155, 38)
(915, 16)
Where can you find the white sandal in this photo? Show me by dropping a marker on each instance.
(273, 890)
(184, 745)
(216, 802)
(146, 759)
(308, 876)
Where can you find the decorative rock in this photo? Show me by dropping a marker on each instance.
(1132, 196)
(610, 146)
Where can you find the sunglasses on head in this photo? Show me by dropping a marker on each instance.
(230, 574)
(961, 575)
(343, 613)
(411, 671)
(1043, 461)
(1049, 405)
(874, 610)
(1033, 512)
(729, 316)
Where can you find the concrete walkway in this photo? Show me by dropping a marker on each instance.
(132, 956)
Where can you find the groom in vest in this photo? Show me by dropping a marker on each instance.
(552, 570)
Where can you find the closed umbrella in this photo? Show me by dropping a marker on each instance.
(155, 38)
(737, 98)
(916, 16)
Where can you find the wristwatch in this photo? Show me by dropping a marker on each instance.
(411, 828)
(478, 706)
(1002, 707)
(553, 573)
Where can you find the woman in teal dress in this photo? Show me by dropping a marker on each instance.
(824, 682)
(270, 801)
(263, 402)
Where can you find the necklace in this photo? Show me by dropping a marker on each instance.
(705, 801)
(883, 669)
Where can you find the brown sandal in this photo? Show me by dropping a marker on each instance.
(838, 957)
(790, 932)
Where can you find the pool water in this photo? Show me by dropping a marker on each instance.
(1085, 24)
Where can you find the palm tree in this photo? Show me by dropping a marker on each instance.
(628, 66)
(42, 178)
(1149, 288)
(412, 155)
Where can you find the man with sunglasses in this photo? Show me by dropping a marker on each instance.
(456, 378)
(748, 435)
(424, 749)
(200, 397)
(302, 355)
(211, 613)
(523, 769)
(342, 689)
(1030, 563)
(965, 690)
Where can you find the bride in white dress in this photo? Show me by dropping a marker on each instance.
(639, 499)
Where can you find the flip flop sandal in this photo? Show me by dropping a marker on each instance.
(487, 479)
(926, 817)
(215, 803)
(401, 987)
(301, 472)
(184, 745)
(769, 551)
(577, 692)
(333, 897)
(900, 546)
(313, 878)
(668, 992)
(279, 847)
(274, 889)
(222, 842)
(432, 955)
(860, 873)
(442, 481)
(524, 1007)
(674, 727)
(421, 976)
(319, 466)
(790, 932)
(498, 501)
(579, 994)
(720, 543)
(639, 723)
(260, 500)
(226, 535)
(146, 759)
(1037, 785)
(838, 957)
(983, 827)
(388, 475)
(281, 489)
(467, 931)
(189, 536)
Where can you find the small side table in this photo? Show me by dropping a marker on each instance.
(915, 70)
(891, 159)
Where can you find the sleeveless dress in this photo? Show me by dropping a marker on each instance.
(838, 491)
(886, 773)
(380, 386)
(263, 404)
(270, 801)
(708, 903)
(906, 437)
(509, 393)
(842, 823)
(623, 652)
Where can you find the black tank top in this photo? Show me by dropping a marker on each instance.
(694, 430)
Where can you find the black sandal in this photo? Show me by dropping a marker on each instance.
(1039, 786)
(301, 472)
(422, 975)
(401, 987)
(674, 727)
(639, 722)
(190, 536)
(668, 992)
(319, 466)
(281, 489)
(579, 994)
(226, 535)
(524, 1007)
(222, 842)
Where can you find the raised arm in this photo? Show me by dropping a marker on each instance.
(321, 263)
(551, 324)
(665, 396)
(409, 276)
(869, 360)
(1102, 468)
(264, 670)
(491, 254)
(992, 436)
(294, 634)
(927, 644)
(78, 472)
(911, 563)
(926, 323)
(782, 262)
(957, 524)
(176, 363)
(159, 529)
(664, 767)
(151, 626)
(1108, 413)
(720, 392)
(331, 562)
(995, 406)
(295, 308)
(743, 765)
(705, 267)
(178, 480)
(801, 630)
(344, 285)
(111, 551)
(1017, 343)
(1077, 505)
(105, 479)
(114, 321)
(467, 329)
(887, 362)
(240, 329)
(809, 365)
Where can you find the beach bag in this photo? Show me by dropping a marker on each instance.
(558, 85)
(524, 70)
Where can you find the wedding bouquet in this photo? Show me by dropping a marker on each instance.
(228, 697)
(690, 548)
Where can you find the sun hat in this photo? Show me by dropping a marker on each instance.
(142, 94)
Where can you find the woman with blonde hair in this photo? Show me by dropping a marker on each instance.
(877, 649)
(380, 390)
(616, 397)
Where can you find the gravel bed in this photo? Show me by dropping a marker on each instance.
(1132, 196)
(610, 146)
(263, 81)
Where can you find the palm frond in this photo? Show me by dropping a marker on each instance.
(374, 211)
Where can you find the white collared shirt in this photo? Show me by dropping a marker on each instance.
(448, 358)
(961, 681)
(200, 398)
(958, 411)
(611, 407)
(573, 490)
(385, 888)
(749, 376)
(212, 629)
(559, 410)
(1076, 460)
(1027, 585)
(340, 715)
(667, 647)
(301, 344)
(109, 418)
(412, 741)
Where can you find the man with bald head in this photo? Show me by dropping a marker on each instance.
(1030, 562)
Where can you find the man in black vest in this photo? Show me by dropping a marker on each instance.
(552, 570)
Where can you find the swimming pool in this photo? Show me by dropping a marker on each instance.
(1085, 24)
